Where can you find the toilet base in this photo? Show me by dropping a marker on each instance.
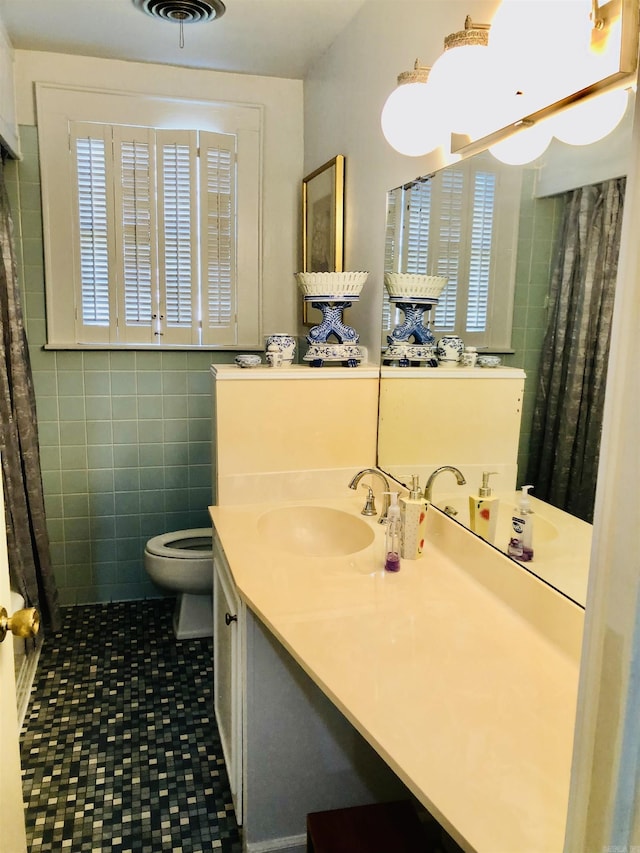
(193, 616)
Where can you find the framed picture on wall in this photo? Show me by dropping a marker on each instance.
(323, 219)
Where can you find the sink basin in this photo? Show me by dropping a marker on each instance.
(315, 531)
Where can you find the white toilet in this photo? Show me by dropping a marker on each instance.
(182, 562)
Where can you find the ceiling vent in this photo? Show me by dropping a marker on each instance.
(182, 11)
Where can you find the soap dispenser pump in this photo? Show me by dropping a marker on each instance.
(413, 511)
(483, 509)
(393, 535)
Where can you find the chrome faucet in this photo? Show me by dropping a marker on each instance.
(428, 489)
(385, 505)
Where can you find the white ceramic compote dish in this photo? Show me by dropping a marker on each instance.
(412, 340)
(331, 293)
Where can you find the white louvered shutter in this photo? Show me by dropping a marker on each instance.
(177, 153)
(480, 257)
(90, 147)
(417, 227)
(136, 234)
(447, 246)
(218, 238)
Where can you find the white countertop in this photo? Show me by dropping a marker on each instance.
(233, 372)
(454, 371)
(462, 675)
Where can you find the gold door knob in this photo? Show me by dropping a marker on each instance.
(24, 623)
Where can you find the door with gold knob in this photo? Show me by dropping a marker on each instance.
(12, 833)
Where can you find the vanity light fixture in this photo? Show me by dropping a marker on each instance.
(560, 69)
(592, 60)
(454, 78)
(525, 146)
(428, 103)
(182, 11)
(409, 120)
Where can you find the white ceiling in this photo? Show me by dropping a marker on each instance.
(276, 38)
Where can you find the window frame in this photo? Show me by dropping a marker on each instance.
(57, 106)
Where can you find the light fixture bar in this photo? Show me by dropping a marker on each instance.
(624, 77)
(465, 146)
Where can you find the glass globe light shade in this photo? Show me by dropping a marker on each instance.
(542, 48)
(592, 119)
(524, 146)
(459, 81)
(409, 122)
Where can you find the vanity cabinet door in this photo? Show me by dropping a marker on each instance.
(228, 623)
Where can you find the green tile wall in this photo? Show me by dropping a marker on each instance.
(125, 436)
(539, 221)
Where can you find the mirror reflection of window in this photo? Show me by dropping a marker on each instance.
(461, 223)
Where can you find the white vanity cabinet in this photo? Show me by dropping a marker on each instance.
(228, 624)
(288, 749)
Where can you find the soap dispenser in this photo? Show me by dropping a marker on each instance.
(521, 543)
(483, 510)
(393, 535)
(413, 510)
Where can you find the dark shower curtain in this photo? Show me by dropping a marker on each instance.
(27, 539)
(567, 421)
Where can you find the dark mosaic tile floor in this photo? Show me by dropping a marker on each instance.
(120, 750)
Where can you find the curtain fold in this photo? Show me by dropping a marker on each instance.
(567, 420)
(27, 539)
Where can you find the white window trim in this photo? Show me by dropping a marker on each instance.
(56, 107)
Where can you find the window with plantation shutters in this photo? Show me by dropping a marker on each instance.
(170, 274)
(160, 247)
(461, 223)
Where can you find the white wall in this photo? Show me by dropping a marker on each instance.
(343, 98)
(282, 157)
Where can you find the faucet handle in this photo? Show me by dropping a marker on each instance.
(370, 505)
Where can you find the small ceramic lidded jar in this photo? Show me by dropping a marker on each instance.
(274, 356)
(469, 357)
(449, 349)
(284, 344)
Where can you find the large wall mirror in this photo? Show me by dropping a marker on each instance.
(509, 238)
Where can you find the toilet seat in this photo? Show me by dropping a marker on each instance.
(193, 544)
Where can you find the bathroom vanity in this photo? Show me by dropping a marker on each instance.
(456, 677)
(288, 750)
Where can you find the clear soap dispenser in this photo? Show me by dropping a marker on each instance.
(393, 535)
(521, 543)
(483, 509)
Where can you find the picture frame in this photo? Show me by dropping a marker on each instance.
(323, 219)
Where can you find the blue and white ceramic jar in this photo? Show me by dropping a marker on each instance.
(284, 344)
(449, 349)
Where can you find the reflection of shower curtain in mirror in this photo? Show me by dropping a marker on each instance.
(27, 539)
(567, 420)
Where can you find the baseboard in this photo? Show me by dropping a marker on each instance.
(291, 844)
